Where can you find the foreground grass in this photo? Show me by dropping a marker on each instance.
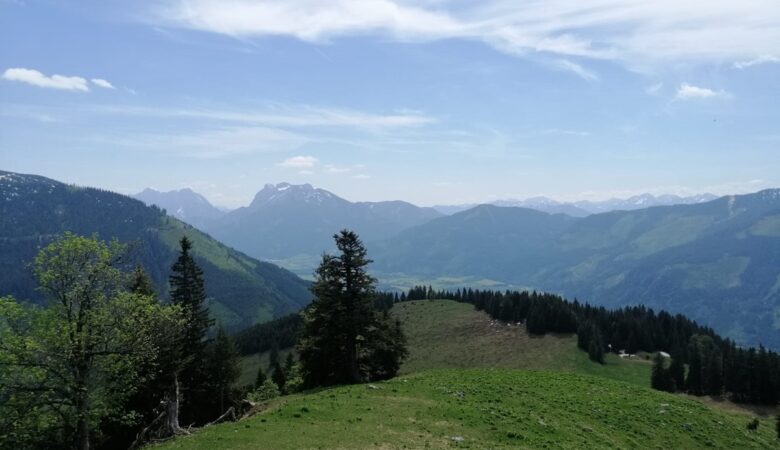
(448, 334)
(485, 408)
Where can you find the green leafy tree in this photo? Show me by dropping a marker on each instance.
(343, 334)
(266, 391)
(66, 370)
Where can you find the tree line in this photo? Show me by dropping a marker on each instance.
(701, 363)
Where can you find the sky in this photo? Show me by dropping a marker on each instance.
(429, 101)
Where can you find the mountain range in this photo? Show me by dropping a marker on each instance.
(584, 208)
(717, 262)
(289, 221)
(34, 209)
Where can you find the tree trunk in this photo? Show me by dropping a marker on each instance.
(172, 407)
(82, 425)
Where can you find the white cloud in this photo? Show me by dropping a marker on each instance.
(577, 69)
(763, 59)
(305, 172)
(299, 162)
(281, 116)
(361, 176)
(687, 91)
(335, 169)
(635, 32)
(102, 83)
(36, 78)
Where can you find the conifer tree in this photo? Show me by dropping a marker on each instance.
(222, 368)
(140, 283)
(189, 292)
(660, 377)
(260, 378)
(677, 372)
(341, 339)
(278, 376)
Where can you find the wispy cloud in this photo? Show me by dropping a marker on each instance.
(577, 69)
(687, 91)
(763, 59)
(299, 162)
(210, 144)
(563, 131)
(102, 83)
(630, 31)
(292, 116)
(36, 78)
(39, 79)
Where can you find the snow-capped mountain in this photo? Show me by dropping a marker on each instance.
(586, 207)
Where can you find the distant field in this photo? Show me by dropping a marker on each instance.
(447, 334)
(485, 408)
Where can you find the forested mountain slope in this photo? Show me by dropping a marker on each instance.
(34, 209)
(717, 262)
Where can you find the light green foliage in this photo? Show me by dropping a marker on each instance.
(67, 368)
(267, 391)
(487, 408)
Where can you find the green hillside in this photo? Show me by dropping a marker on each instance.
(444, 334)
(34, 209)
(715, 262)
(485, 408)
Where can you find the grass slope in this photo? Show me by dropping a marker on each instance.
(485, 408)
(444, 334)
(448, 334)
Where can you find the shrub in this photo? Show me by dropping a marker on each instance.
(265, 392)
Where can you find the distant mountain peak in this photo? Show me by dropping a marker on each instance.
(184, 204)
(281, 192)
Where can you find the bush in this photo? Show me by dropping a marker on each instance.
(267, 391)
(753, 425)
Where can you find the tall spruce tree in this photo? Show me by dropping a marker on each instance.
(222, 369)
(340, 342)
(189, 292)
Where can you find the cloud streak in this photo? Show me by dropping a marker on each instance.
(210, 144)
(36, 78)
(291, 116)
(299, 162)
(69, 83)
(687, 91)
(634, 32)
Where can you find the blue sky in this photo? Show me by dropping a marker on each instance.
(430, 101)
